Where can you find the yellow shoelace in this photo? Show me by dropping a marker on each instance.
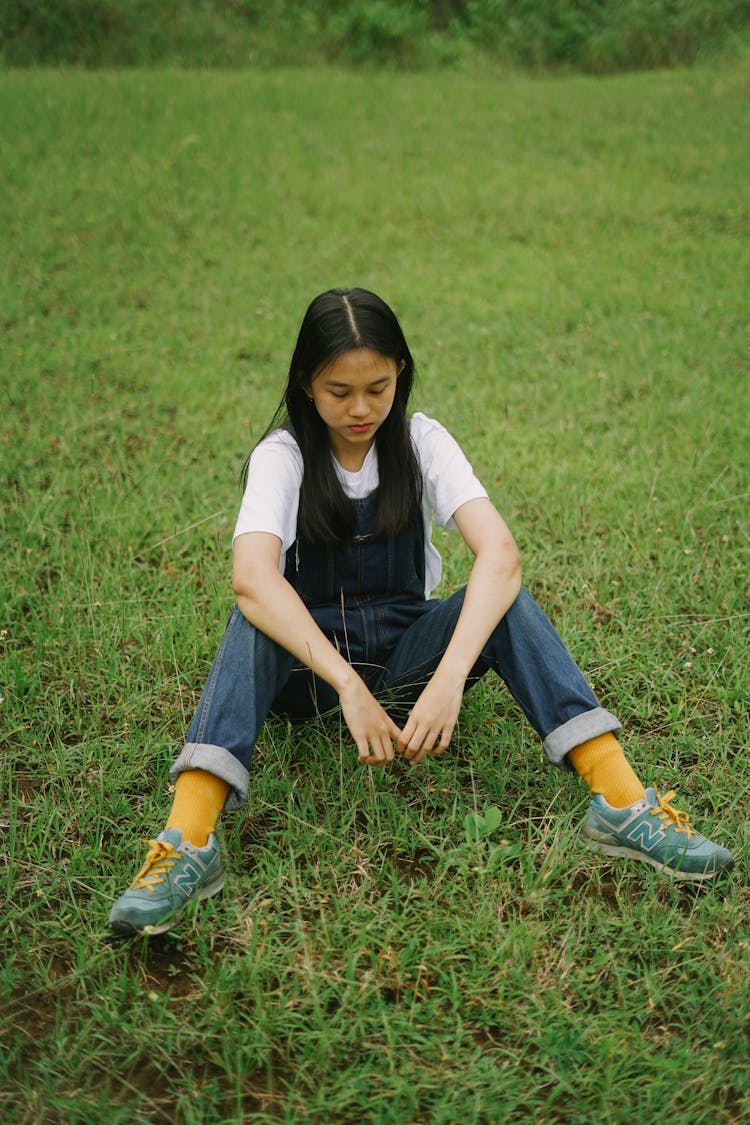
(159, 861)
(666, 811)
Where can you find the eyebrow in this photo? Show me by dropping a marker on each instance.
(374, 383)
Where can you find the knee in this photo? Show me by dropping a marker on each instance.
(524, 607)
(526, 616)
(250, 644)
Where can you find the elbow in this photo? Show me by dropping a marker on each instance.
(255, 571)
(241, 583)
(502, 561)
(244, 599)
(508, 566)
(515, 570)
(240, 587)
(248, 602)
(246, 595)
(246, 588)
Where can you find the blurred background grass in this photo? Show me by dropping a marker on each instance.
(588, 35)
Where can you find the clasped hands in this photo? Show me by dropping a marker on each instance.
(428, 728)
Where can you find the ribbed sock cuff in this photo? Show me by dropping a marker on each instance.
(198, 799)
(602, 764)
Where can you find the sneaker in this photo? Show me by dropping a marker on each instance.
(175, 872)
(655, 832)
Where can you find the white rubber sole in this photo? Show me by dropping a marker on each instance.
(208, 891)
(616, 850)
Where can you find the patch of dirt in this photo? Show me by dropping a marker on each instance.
(419, 864)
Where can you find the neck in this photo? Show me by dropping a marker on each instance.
(352, 458)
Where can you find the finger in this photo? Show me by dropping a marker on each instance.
(371, 759)
(421, 741)
(411, 730)
(378, 752)
(368, 748)
(405, 736)
(426, 735)
(387, 735)
(445, 740)
(412, 747)
(433, 746)
(394, 732)
(387, 749)
(437, 741)
(418, 756)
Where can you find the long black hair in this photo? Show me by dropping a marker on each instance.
(338, 321)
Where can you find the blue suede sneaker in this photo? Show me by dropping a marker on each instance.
(175, 872)
(656, 833)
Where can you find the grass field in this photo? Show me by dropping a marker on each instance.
(570, 259)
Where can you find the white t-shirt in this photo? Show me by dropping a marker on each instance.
(274, 478)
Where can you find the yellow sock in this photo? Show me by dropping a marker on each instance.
(605, 769)
(198, 799)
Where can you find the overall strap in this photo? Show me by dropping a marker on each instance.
(367, 567)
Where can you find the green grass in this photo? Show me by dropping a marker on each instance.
(591, 37)
(570, 262)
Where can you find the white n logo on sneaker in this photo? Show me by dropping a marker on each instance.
(646, 835)
(188, 878)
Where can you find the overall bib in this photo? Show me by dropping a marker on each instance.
(368, 598)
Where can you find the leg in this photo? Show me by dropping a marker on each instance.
(249, 671)
(247, 674)
(528, 655)
(526, 652)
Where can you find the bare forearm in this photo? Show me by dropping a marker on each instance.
(273, 606)
(492, 588)
(278, 611)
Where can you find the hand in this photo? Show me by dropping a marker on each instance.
(371, 727)
(432, 719)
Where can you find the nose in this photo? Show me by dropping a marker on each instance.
(359, 408)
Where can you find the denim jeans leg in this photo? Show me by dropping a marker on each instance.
(246, 676)
(528, 655)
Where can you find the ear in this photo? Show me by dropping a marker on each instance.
(401, 367)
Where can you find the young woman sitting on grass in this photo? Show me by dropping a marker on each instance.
(333, 573)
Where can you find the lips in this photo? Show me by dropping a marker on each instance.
(360, 429)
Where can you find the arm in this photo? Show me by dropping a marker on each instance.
(493, 586)
(272, 605)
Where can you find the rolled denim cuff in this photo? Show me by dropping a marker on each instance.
(589, 724)
(219, 762)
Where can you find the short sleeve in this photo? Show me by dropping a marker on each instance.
(448, 478)
(271, 499)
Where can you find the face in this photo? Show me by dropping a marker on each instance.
(354, 396)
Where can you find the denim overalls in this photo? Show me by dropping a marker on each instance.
(363, 595)
(368, 598)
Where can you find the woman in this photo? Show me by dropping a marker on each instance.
(333, 573)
